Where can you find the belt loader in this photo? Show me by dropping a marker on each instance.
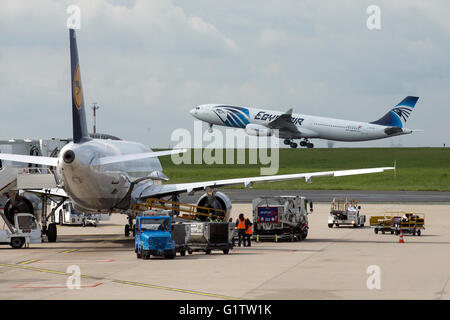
(345, 212)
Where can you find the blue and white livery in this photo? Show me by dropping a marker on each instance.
(290, 126)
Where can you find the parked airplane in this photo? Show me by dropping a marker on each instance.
(288, 126)
(111, 175)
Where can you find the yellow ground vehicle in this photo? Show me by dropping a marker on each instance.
(381, 223)
(407, 222)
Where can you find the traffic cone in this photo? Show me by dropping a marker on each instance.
(400, 239)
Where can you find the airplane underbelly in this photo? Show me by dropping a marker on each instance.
(103, 193)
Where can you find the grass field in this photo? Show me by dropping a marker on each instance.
(426, 169)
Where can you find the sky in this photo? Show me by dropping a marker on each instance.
(147, 63)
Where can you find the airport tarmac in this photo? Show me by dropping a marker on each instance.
(329, 264)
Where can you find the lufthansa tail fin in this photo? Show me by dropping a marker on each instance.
(80, 132)
(397, 116)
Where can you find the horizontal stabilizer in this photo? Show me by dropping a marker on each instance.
(135, 156)
(45, 161)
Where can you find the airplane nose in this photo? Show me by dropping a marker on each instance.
(194, 112)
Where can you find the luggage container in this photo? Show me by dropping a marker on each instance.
(209, 236)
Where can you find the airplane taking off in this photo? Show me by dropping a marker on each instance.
(111, 175)
(289, 126)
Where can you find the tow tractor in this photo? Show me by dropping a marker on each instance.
(345, 212)
(189, 231)
(284, 217)
(26, 230)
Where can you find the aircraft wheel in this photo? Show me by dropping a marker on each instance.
(51, 232)
(293, 145)
(330, 225)
(302, 143)
(309, 145)
(287, 141)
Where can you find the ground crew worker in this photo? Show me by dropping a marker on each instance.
(240, 226)
(248, 232)
(210, 218)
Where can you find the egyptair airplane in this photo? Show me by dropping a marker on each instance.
(111, 175)
(289, 126)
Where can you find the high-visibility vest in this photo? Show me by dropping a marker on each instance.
(241, 224)
(249, 230)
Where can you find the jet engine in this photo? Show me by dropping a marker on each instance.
(17, 204)
(258, 130)
(214, 200)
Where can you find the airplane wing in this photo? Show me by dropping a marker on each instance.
(50, 161)
(167, 189)
(57, 192)
(285, 125)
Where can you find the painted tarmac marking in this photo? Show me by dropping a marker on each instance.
(212, 295)
(22, 286)
(27, 262)
(69, 251)
(72, 261)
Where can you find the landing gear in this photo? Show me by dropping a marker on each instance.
(306, 143)
(303, 143)
(210, 129)
(51, 232)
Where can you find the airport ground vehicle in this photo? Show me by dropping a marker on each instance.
(25, 230)
(209, 236)
(345, 212)
(66, 214)
(381, 223)
(405, 222)
(284, 217)
(154, 237)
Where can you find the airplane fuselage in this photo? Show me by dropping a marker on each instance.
(101, 187)
(308, 126)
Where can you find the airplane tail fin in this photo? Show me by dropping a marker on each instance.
(397, 116)
(80, 132)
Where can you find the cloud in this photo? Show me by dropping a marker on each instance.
(146, 63)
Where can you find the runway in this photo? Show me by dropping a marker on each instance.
(243, 196)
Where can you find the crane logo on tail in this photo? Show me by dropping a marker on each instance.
(76, 88)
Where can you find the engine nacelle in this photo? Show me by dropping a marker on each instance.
(18, 204)
(258, 130)
(218, 200)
